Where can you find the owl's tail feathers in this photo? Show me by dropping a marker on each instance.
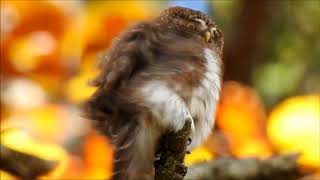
(134, 144)
(102, 112)
(124, 141)
(134, 154)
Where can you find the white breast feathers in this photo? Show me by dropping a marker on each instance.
(204, 100)
(171, 110)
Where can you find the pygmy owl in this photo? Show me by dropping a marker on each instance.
(156, 75)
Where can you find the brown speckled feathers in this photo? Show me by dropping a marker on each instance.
(167, 49)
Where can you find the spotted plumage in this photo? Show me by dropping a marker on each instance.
(156, 75)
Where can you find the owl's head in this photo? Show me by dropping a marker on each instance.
(192, 23)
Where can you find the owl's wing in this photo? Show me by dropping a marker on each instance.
(126, 56)
(144, 52)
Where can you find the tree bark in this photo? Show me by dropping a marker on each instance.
(276, 168)
(173, 149)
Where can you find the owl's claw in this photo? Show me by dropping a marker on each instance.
(180, 124)
(189, 141)
(193, 128)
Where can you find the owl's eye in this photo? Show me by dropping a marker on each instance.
(212, 35)
(214, 32)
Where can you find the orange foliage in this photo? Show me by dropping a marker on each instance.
(98, 157)
(25, 19)
(241, 116)
(45, 122)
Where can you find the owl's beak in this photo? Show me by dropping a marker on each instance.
(207, 36)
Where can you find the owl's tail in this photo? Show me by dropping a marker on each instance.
(134, 153)
(134, 144)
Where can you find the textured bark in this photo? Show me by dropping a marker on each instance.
(173, 149)
(276, 168)
(22, 165)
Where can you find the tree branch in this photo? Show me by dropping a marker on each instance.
(22, 165)
(275, 168)
(173, 149)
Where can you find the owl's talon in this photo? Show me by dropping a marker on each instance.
(189, 141)
(180, 124)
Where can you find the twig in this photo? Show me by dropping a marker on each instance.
(275, 168)
(173, 149)
(22, 165)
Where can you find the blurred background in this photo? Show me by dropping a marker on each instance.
(270, 100)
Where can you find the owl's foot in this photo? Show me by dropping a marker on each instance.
(180, 125)
(193, 128)
(189, 141)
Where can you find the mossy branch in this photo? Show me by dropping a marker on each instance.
(173, 149)
(276, 168)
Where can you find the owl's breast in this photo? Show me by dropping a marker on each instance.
(204, 98)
